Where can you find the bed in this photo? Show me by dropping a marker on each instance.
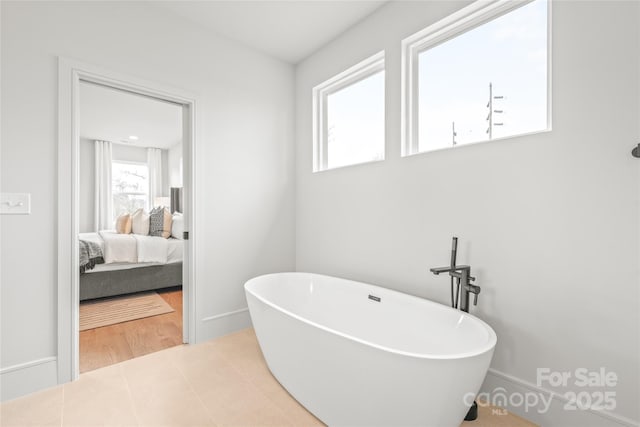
(132, 263)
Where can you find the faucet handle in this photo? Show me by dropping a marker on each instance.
(475, 290)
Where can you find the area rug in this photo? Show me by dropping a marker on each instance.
(95, 314)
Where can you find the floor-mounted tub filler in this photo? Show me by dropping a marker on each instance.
(355, 354)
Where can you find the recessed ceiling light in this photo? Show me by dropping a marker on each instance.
(133, 137)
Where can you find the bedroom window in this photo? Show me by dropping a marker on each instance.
(130, 187)
(480, 74)
(349, 116)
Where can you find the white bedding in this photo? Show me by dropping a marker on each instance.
(124, 251)
(175, 250)
(152, 248)
(118, 247)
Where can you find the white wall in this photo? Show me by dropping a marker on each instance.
(244, 156)
(549, 222)
(128, 153)
(174, 161)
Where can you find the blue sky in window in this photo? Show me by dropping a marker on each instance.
(511, 53)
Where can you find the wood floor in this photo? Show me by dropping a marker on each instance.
(116, 343)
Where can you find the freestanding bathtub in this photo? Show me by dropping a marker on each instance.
(360, 355)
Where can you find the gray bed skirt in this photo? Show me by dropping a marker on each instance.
(119, 282)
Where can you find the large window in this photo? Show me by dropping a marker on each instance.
(130, 187)
(480, 75)
(349, 118)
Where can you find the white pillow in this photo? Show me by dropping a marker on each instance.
(140, 222)
(177, 226)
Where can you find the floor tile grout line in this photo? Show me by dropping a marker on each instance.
(255, 386)
(62, 406)
(128, 386)
(247, 379)
(193, 390)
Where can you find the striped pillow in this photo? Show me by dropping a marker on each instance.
(160, 222)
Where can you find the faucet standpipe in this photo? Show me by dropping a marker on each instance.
(463, 274)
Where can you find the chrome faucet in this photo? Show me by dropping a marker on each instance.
(463, 275)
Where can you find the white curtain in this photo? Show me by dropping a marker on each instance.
(103, 218)
(154, 160)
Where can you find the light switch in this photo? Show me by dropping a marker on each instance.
(15, 203)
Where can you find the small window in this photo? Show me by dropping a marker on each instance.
(481, 74)
(130, 188)
(349, 116)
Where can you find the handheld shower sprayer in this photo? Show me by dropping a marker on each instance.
(454, 251)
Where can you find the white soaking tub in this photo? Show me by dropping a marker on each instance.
(355, 354)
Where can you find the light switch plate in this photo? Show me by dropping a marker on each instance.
(15, 203)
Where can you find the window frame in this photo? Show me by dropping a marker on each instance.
(362, 70)
(466, 19)
(131, 162)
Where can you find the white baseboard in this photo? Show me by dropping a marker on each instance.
(223, 324)
(24, 378)
(556, 415)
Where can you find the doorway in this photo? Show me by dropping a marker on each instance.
(73, 76)
(130, 225)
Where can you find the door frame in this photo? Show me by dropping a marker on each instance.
(70, 74)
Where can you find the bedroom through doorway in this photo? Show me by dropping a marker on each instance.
(131, 225)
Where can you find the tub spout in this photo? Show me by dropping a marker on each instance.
(438, 270)
(454, 271)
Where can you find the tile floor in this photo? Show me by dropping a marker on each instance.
(220, 382)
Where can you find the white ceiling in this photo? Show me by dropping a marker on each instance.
(113, 115)
(288, 30)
